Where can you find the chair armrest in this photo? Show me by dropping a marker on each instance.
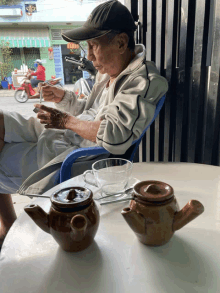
(65, 170)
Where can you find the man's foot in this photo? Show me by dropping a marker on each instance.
(2, 143)
(7, 215)
(36, 96)
(3, 232)
(2, 130)
(1, 242)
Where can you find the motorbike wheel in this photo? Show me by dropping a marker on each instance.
(21, 96)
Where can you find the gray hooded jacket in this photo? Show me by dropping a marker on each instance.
(128, 108)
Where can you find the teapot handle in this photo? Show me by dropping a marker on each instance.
(189, 212)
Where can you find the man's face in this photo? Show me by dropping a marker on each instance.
(105, 55)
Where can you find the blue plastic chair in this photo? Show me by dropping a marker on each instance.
(65, 170)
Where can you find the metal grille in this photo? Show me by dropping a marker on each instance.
(16, 58)
(183, 39)
(31, 54)
(56, 34)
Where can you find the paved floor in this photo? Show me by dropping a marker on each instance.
(8, 103)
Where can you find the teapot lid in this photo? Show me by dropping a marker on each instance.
(72, 197)
(154, 191)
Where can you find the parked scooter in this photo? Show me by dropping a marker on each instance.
(25, 91)
(83, 87)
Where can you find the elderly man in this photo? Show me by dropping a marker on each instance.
(121, 105)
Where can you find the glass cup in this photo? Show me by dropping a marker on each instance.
(110, 175)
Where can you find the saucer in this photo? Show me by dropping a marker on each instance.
(101, 198)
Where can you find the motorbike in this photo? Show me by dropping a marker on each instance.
(25, 91)
(83, 86)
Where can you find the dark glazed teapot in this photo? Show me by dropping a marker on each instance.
(73, 218)
(154, 213)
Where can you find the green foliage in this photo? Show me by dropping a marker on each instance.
(84, 45)
(9, 2)
(6, 66)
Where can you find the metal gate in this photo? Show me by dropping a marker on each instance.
(16, 58)
(31, 54)
(183, 38)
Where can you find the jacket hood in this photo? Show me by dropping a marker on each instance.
(138, 60)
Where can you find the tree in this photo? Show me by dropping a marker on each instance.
(9, 2)
(6, 66)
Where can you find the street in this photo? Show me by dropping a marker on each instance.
(26, 109)
(8, 102)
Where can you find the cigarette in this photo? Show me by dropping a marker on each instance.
(36, 110)
(41, 96)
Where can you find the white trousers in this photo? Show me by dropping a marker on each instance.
(18, 159)
(13, 158)
(28, 147)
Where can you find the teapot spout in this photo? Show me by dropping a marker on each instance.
(189, 212)
(135, 220)
(78, 225)
(38, 215)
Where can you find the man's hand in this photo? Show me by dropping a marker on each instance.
(53, 118)
(40, 84)
(51, 93)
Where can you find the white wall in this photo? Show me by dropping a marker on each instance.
(60, 11)
(49, 11)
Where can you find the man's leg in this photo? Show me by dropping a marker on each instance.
(7, 215)
(14, 151)
(7, 212)
(2, 130)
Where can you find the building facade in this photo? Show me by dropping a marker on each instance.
(33, 30)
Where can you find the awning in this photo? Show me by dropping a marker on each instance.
(22, 37)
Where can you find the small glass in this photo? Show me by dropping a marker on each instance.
(110, 175)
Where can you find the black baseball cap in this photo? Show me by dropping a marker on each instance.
(110, 15)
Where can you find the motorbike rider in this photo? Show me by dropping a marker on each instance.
(39, 73)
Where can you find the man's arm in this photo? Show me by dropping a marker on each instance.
(86, 129)
(53, 118)
(33, 73)
(63, 100)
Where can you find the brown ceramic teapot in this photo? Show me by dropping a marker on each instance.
(73, 218)
(154, 213)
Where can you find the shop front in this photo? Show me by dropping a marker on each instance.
(68, 71)
(29, 44)
(71, 71)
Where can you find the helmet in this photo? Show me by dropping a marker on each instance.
(38, 61)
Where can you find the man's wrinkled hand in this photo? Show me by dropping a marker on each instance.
(52, 118)
(40, 84)
(51, 93)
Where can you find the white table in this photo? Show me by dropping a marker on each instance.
(32, 262)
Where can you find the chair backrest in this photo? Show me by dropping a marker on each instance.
(65, 170)
(129, 154)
